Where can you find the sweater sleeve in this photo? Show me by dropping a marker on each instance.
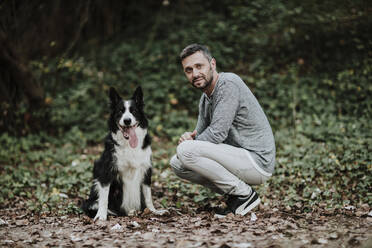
(226, 106)
(200, 125)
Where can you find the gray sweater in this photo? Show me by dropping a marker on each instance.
(232, 115)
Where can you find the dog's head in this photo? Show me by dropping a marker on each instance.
(127, 115)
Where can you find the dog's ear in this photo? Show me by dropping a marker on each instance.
(138, 96)
(114, 97)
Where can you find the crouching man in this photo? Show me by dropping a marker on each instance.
(232, 146)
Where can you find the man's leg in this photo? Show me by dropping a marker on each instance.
(226, 167)
(191, 176)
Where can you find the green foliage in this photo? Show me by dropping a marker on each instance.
(50, 177)
(326, 160)
(308, 64)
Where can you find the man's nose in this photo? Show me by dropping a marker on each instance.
(195, 73)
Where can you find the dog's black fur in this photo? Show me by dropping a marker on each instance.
(112, 168)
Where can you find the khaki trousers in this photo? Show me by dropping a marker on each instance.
(223, 168)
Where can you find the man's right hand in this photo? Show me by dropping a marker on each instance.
(187, 136)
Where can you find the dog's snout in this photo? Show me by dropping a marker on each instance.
(127, 121)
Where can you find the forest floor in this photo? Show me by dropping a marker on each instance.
(191, 224)
(265, 227)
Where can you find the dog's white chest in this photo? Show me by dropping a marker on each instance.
(132, 165)
(129, 159)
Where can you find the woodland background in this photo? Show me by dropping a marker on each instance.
(309, 63)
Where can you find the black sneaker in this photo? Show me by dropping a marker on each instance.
(242, 204)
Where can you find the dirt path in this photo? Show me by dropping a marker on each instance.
(264, 228)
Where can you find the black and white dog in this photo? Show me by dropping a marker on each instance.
(122, 175)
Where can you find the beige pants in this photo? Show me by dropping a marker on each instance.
(223, 168)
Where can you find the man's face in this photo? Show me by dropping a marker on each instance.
(198, 70)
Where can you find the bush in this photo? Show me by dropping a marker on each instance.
(309, 66)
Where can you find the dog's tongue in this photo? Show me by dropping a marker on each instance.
(133, 141)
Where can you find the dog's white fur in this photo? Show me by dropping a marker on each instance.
(132, 164)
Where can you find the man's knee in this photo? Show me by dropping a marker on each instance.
(176, 164)
(186, 152)
(178, 168)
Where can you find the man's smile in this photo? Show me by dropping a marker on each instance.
(197, 79)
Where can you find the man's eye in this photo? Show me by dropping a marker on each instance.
(188, 70)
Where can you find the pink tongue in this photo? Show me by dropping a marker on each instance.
(133, 141)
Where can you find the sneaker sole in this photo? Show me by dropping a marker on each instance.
(243, 210)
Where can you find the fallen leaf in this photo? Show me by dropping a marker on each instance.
(63, 195)
(242, 245)
(183, 243)
(75, 238)
(89, 242)
(322, 241)
(146, 212)
(148, 235)
(116, 227)
(134, 224)
(22, 222)
(253, 217)
(359, 213)
(333, 235)
(8, 241)
(305, 241)
(349, 207)
(219, 216)
(3, 222)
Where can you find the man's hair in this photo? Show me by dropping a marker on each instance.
(193, 48)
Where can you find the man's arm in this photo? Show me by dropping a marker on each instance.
(227, 104)
(201, 125)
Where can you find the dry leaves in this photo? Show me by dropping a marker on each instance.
(264, 228)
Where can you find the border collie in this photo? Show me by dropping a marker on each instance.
(122, 175)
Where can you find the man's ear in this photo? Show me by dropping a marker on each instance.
(114, 98)
(138, 96)
(213, 63)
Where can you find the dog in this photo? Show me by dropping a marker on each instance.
(122, 175)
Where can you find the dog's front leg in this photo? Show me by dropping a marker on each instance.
(103, 194)
(148, 200)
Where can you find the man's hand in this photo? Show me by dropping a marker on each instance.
(187, 136)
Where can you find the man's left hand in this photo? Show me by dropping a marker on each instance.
(187, 136)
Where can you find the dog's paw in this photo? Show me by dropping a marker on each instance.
(133, 212)
(160, 212)
(101, 217)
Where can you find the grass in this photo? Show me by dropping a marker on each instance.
(323, 162)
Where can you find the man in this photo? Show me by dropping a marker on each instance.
(232, 146)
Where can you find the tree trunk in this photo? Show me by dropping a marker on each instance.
(16, 79)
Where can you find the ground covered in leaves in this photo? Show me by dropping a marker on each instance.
(265, 227)
(45, 213)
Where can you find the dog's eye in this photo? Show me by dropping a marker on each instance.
(131, 109)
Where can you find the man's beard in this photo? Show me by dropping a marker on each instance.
(207, 82)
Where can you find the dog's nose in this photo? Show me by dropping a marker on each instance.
(127, 121)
